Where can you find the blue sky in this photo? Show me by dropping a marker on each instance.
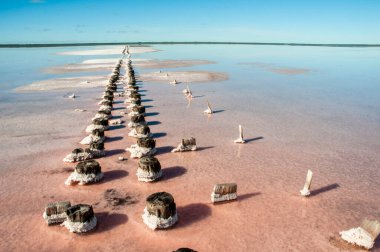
(300, 21)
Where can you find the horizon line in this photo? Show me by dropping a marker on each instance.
(19, 45)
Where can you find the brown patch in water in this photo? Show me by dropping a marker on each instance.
(56, 171)
(115, 199)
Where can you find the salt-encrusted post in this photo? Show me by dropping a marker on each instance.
(55, 213)
(85, 172)
(224, 192)
(160, 211)
(149, 169)
(80, 218)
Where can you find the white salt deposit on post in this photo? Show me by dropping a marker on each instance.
(78, 154)
(116, 122)
(85, 172)
(97, 124)
(141, 131)
(80, 218)
(240, 139)
(306, 188)
(144, 147)
(55, 213)
(71, 96)
(188, 93)
(175, 82)
(95, 150)
(208, 110)
(224, 192)
(96, 136)
(149, 169)
(92, 139)
(93, 127)
(160, 211)
(137, 120)
(186, 145)
(363, 236)
(187, 90)
(102, 116)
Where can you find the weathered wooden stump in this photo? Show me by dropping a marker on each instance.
(149, 169)
(140, 131)
(55, 213)
(78, 154)
(144, 147)
(146, 142)
(136, 120)
(160, 211)
(98, 132)
(80, 218)
(186, 145)
(138, 109)
(105, 111)
(99, 121)
(85, 172)
(106, 103)
(224, 192)
(88, 167)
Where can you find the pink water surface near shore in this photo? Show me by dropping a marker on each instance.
(291, 122)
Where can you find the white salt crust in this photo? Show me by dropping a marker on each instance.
(181, 148)
(115, 122)
(239, 140)
(131, 106)
(134, 113)
(305, 192)
(133, 125)
(358, 236)
(105, 107)
(103, 100)
(83, 179)
(146, 176)
(71, 158)
(138, 152)
(54, 218)
(79, 227)
(128, 90)
(120, 94)
(91, 127)
(133, 133)
(217, 197)
(130, 100)
(154, 222)
(101, 116)
(92, 139)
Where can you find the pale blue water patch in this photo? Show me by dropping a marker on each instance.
(339, 78)
(334, 77)
(21, 66)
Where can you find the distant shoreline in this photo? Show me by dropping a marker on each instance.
(182, 43)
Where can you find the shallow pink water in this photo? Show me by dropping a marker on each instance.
(270, 169)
